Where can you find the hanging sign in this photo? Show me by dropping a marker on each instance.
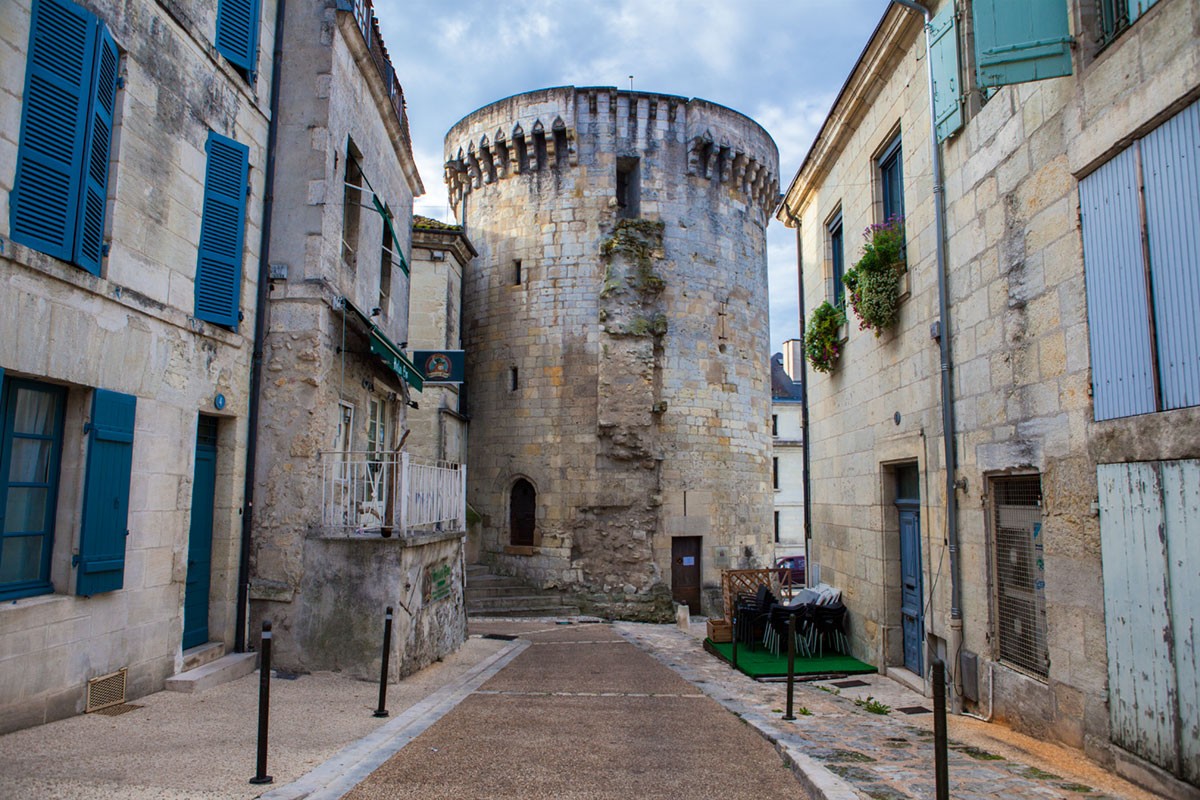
(441, 366)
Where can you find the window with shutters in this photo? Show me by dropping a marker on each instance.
(100, 562)
(1140, 248)
(57, 205)
(352, 199)
(237, 34)
(945, 63)
(1113, 17)
(890, 168)
(222, 232)
(837, 259)
(31, 441)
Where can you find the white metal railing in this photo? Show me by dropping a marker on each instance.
(386, 493)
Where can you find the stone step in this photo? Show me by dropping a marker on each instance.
(477, 569)
(525, 611)
(222, 670)
(509, 604)
(498, 590)
(202, 654)
(493, 580)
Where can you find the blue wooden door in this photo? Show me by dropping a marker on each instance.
(911, 609)
(199, 573)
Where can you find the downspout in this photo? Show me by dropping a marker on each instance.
(803, 404)
(943, 337)
(260, 335)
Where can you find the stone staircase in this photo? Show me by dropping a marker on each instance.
(491, 595)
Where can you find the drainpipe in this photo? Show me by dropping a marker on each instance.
(943, 337)
(260, 335)
(803, 404)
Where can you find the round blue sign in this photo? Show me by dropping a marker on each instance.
(219, 401)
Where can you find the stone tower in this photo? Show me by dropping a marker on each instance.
(616, 335)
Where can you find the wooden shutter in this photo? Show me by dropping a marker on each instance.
(102, 535)
(89, 240)
(54, 123)
(237, 32)
(947, 97)
(1171, 174)
(1115, 278)
(222, 231)
(1017, 41)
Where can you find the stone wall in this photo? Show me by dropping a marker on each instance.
(622, 374)
(131, 330)
(1018, 326)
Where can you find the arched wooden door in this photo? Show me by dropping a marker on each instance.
(522, 513)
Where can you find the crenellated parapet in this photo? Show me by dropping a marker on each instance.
(557, 131)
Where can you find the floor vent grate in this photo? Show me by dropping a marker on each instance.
(118, 709)
(107, 690)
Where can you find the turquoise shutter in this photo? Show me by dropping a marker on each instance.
(1139, 7)
(943, 49)
(58, 82)
(222, 231)
(102, 536)
(237, 32)
(1017, 41)
(89, 240)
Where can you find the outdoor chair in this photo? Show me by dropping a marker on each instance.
(828, 627)
(752, 614)
(775, 634)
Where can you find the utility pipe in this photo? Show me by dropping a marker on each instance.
(260, 335)
(803, 404)
(948, 428)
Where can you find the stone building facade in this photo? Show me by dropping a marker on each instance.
(1071, 539)
(340, 533)
(130, 205)
(615, 325)
(787, 451)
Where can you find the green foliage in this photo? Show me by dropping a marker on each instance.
(874, 706)
(803, 711)
(873, 284)
(821, 343)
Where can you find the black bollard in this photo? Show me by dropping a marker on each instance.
(733, 627)
(264, 703)
(941, 764)
(383, 669)
(789, 716)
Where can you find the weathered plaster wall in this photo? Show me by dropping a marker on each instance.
(131, 330)
(641, 406)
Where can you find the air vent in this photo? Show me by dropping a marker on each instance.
(107, 690)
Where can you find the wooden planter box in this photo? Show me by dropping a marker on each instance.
(719, 630)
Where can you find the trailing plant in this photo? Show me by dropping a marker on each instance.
(822, 346)
(873, 284)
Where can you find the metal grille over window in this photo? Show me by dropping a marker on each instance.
(1020, 573)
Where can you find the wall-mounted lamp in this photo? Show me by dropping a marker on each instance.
(413, 404)
(376, 311)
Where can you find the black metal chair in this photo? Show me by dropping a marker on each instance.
(829, 628)
(752, 615)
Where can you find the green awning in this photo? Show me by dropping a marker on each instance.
(386, 349)
(387, 220)
(391, 355)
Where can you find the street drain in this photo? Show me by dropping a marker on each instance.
(914, 710)
(504, 637)
(117, 710)
(851, 684)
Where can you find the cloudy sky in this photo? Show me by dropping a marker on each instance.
(781, 62)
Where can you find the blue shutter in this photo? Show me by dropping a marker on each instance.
(1139, 7)
(237, 32)
(1017, 41)
(1171, 174)
(89, 241)
(222, 231)
(943, 49)
(1115, 277)
(54, 123)
(102, 536)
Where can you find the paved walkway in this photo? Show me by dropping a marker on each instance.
(583, 714)
(848, 752)
(622, 726)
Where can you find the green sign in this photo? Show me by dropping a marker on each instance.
(437, 581)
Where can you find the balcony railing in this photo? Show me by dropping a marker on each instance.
(368, 24)
(366, 493)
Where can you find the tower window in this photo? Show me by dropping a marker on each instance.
(513, 381)
(517, 272)
(628, 188)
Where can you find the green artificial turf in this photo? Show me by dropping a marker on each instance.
(760, 663)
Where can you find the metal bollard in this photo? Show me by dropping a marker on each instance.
(789, 716)
(383, 669)
(264, 704)
(733, 627)
(941, 763)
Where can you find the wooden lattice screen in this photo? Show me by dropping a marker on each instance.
(736, 581)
